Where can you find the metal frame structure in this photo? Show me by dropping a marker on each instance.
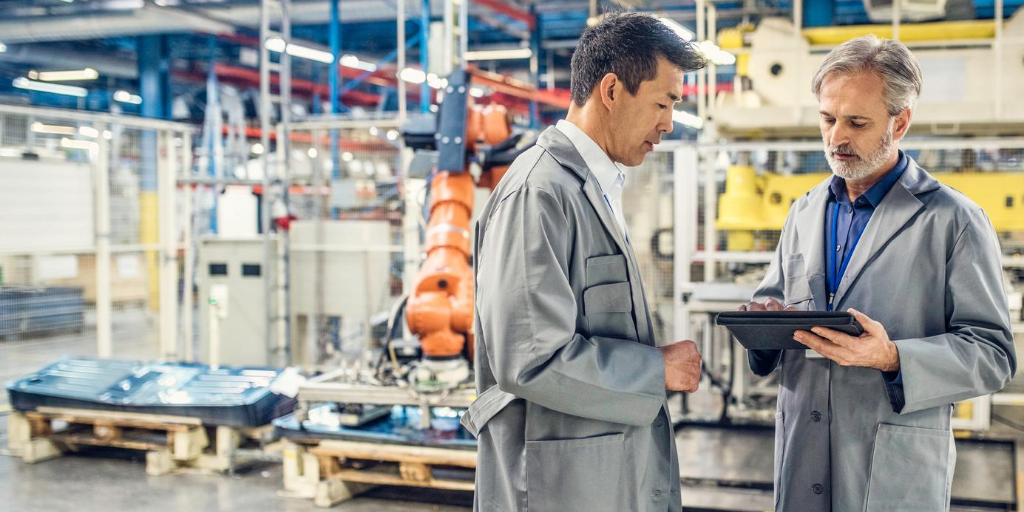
(276, 180)
(275, 176)
(172, 162)
(334, 386)
(706, 29)
(320, 129)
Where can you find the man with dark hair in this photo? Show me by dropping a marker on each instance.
(571, 413)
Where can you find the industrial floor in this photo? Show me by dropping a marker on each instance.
(739, 458)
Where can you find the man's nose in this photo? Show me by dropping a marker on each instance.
(838, 135)
(665, 124)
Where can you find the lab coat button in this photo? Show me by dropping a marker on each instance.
(816, 416)
(818, 489)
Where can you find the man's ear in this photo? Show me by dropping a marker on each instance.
(609, 89)
(902, 124)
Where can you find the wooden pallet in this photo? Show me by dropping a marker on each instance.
(331, 471)
(171, 443)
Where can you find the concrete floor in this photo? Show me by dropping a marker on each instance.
(94, 484)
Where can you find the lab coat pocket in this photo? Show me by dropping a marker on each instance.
(608, 308)
(592, 482)
(908, 470)
(606, 269)
(797, 288)
(780, 452)
(797, 293)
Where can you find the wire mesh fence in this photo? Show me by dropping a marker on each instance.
(319, 288)
(79, 235)
(647, 204)
(349, 245)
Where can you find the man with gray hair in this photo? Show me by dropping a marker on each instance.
(863, 423)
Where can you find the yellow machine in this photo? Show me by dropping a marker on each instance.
(761, 203)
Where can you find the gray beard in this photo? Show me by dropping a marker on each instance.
(865, 165)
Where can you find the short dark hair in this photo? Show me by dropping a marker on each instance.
(627, 44)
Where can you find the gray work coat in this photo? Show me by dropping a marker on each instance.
(571, 414)
(928, 268)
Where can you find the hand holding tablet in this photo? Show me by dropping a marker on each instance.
(773, 330)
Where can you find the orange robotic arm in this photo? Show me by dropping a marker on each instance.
(440, 307)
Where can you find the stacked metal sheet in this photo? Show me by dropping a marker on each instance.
(328, 421)
(230, 396)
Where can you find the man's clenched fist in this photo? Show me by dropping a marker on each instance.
(682, 366)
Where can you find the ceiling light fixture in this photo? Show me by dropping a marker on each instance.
(413, 75)
(67, 90)
(680, 30)
(716, 55)
(64, 76)
(687, 119)
(79, 144)
(127, 97)
(276, 44)
(53, 129)
(351, 61)
(509, 54)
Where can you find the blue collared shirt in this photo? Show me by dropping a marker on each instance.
(850, 220)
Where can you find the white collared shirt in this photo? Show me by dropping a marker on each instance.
(610, 177)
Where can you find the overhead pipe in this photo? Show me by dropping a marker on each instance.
(40, 55)
(149, 19)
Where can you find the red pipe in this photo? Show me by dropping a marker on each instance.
(508, 10)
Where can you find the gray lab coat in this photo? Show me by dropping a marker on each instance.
(928, 268)
(571, 413)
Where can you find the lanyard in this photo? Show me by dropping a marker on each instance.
(839, 268)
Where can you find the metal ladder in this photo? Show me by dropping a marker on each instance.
(275, 174)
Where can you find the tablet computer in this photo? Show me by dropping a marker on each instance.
(773, 330)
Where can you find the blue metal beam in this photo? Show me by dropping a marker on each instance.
(154, 86)
(424, 54)
(212, 96)
(334, 29)
(154, 80)
(819, 13)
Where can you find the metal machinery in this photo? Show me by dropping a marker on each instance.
(465, 147)
(972, 70)
(440, 308)
(231, 302)
(753, 203)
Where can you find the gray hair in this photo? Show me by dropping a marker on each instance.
(890, 59)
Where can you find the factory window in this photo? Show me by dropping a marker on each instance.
(1009, 201)
(218, 269)
(251, 269)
